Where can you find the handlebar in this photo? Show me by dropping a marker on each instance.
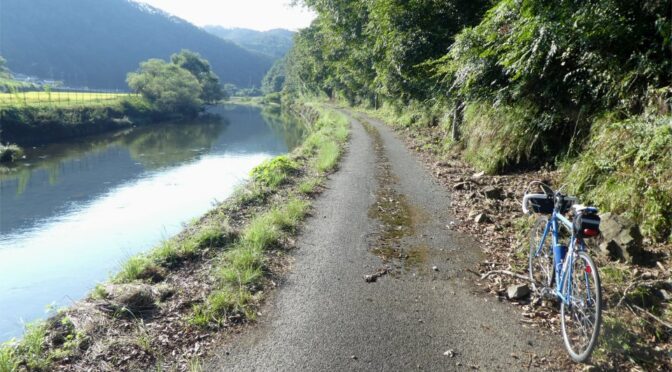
(526, 199)
(559, 199)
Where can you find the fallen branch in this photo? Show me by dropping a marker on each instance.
(505, 272)
(625, 293)
(668, 325)
(638, 283)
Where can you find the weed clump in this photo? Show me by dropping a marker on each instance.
(274, 172)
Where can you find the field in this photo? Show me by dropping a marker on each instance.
(61, 99)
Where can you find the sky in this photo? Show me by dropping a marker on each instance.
(259, 15)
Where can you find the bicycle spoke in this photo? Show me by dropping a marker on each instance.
(580, 314)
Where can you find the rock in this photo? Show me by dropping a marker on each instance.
(478, 175)
(435, 268)
(492, 192)
(449, 353)
(517, 291)
(664, 295)
(620, 238)
(481, 218)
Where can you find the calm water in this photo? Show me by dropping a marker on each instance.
(75, 211)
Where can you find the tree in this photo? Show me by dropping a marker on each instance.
(275, 78)
(167, 86)
(200, 68)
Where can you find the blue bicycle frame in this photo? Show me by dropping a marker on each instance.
(567, 265)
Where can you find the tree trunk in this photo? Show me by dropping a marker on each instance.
(457, 119)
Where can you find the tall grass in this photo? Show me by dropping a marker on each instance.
(626, 168)
(327, 156)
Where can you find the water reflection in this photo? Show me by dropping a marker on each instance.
(72, 216)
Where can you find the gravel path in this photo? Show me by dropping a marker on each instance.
(425, 313)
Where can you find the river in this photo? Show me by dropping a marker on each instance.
(73, 212)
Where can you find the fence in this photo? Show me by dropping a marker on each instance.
(21, 96)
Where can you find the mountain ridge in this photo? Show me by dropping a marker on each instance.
(95, 44)
(274, 42)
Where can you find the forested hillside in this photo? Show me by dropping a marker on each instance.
(274, 43)
(584, 86)
(96, 43)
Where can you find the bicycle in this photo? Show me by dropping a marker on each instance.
(566, 272)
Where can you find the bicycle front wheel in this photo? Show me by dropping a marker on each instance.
(541, 256)
(581, 312)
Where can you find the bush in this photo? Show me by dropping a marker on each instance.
(627, 168)
(272, 173)
(10, 153)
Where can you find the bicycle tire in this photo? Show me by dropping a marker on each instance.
(580, 313)
(540, 266)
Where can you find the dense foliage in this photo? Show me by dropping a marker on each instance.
(95, 43)
(167, 86)
(275, 78)
(199, 67)
(521, 82)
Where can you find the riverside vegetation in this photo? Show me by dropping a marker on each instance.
(168, 90)
(164, 309)
(579, 90)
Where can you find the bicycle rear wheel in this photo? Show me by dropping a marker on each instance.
(581, 314)
(540, 260)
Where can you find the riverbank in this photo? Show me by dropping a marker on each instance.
(29, 125)
(637, 310)
(166, 307)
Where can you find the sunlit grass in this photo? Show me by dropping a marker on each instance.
(134, 268)
(61, 99)
(327, 156)
(309, 186)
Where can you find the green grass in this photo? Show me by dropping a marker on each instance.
(289, 216)
(328, 154)
(8, 362)
(133, 269)
(99, 292)
(309, 186)
(222, 302)
(61, 99)
(274, 172)
(260, 233)
(30, 351)
(32, 346)
(243, 264)
(626, 168)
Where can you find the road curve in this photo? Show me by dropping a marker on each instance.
(424, 313)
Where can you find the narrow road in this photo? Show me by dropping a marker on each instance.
(383, 213)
